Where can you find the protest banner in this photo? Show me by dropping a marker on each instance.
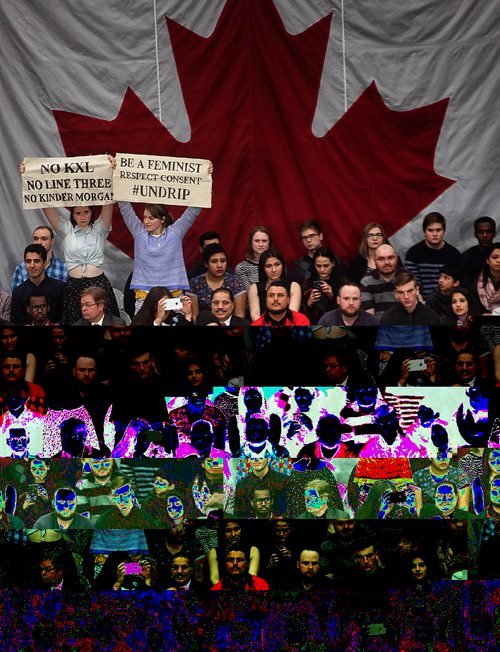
(163, 180)
(76, 181)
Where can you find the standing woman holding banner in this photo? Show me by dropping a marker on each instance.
(158, 256)
(83, 233)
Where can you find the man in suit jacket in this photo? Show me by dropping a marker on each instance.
(223, 307)
(93, 304)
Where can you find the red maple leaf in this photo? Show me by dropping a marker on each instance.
(251, 91)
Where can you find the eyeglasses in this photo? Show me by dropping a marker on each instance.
(262, 500)
(100, 465)
(375, 235)
(44, 306)
(309, 237)
(88, 305)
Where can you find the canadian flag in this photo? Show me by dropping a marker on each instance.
(338, 110)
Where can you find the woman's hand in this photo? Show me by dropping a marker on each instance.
(161, 313)
(326, 289)
(314, 297)
(22, 167)
(120, 574)
(112, 161)
(187, 307)
(405, 372)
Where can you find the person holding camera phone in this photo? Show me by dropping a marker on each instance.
(161, 309)
(320, 291)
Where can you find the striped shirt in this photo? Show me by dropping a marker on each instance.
(426, 263)
(377, 293)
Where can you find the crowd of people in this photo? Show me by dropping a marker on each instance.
(355, 454)
(431, 283)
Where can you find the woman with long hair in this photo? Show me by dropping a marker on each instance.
(216, 277)
(154, 311)
(320, 291)
(259, 240)
(272, 267)
(373, 236)
(488, 283)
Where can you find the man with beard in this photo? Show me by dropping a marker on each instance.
(64, 516)
(377, 285)
(92, 490)
(278, 311)
(446, 501)
(337, 548)
(126, 512)
(261, 477)
(262, 504)
(349, 312)
(310, 576)
(13, 384)
(237, 577)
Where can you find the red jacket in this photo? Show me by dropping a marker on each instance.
(296, 319)
(258, 584)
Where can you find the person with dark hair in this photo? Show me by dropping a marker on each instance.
(64, 516)
(487, 285)
(216, 276)
(259, 240)
(92, 489)
(222, 306)
(93, 302)
(237, 577)
(74, 434)
(321, 289)
(426, 259)
(182, 574)
(473, 259)
(349, 311)
(278, 311)
(140, 394)
(37, 307)
(13, 385)
(34, 493)
(168, 502)
(311, 236)
(126, 512)
(260, 478)
(440, 300)
(445, 504)
(83, 235)
(56, 268)
(119, 574)
(206, 238)
(272, 267)
(410, 311)
(58, 571)
(155, 312)
(35, 261)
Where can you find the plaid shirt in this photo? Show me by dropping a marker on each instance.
(57, 270)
